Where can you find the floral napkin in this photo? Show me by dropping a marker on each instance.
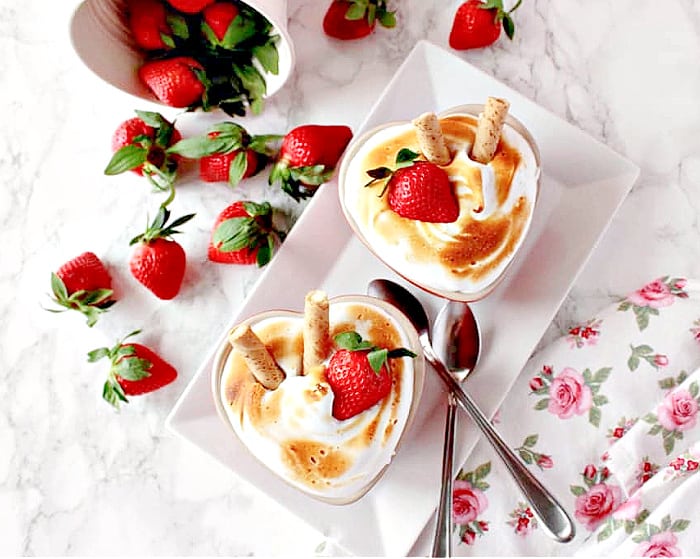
(607, 418)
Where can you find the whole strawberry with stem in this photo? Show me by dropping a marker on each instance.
(478, 24)
(178, 82)
(158, 262)
(358, 374)
(307, 158)
(227, 153)
(140, 145)
(154, 27)
(83, 284)
(354, 19)
(134, 369)
(417, 190)
(244, 233)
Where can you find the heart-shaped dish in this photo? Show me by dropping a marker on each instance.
(291, 430)
(466, 259)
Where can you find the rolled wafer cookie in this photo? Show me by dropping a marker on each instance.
(488, 131)
(316, 332)
(430, 138)
(257, 357)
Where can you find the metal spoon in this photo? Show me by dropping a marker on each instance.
(458, 343)
(555, 521)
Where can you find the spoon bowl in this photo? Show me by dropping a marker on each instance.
(554, 519)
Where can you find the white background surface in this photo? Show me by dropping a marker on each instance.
(77, 479)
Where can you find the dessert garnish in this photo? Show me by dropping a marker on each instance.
(158, 262)
(135, 369)
(316, 330)
(83, 284)
(256, 356)
(489, 129)
(431, 140)
(418, 190)
(358, 375)
(307, 158)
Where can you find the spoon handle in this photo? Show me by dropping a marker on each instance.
(442, 541)
(555, 521)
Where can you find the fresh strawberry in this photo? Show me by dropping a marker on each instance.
(227, 153)
(244, 234)
(354, 19)
(135, 369)
(190, 6)
(478, 24)
(418, 190)
(358, 374)
(177, 82)
(83, 284)
(158, 262)
(218, 17)
(148, 20)
(140, 144)
(307, 158)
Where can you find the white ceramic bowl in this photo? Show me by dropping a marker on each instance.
(473, 295)
(357, 490)
(101, 37)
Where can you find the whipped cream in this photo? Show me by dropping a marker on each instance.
(496, 202)
(292, 430)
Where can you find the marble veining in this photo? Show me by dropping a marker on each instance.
(77, 479)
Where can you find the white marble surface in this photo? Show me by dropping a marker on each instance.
(78, 479)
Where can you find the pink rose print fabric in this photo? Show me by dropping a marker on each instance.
(607, 417)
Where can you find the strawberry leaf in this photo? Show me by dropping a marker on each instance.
(401, 352)
(234, 234)
(264, 254)
(508, 26)
(239, 30)
(132, 368)
(238, 168)
(377, 358)
(356, 11)
(352, 341)
(387, 19)
(254, 209)
(97, 354)
(58, 287)
(155, 120)
(113, 393)
(126, 158)
(268, 56)
(178, 25)
(264, 144)
(404, 156)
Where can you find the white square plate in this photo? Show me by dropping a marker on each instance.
(582, 186)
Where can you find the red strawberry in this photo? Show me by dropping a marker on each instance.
(218, 16)
(217, 168)
(354, 19)
(307, 158)
(139, 145)
(190, 6)
(227, 153)
(174, 81)
(149, 24)
(418, 190)
(135, 369)
(158, 262)
(478, 24)
(358, 374)
(244, 234)
(85, 285)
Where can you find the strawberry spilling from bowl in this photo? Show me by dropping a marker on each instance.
(322, 398)
(445, 201)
